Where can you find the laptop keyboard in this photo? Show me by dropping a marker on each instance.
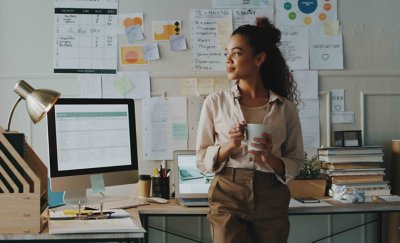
(195, 199)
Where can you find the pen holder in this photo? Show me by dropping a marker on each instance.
(160, 187)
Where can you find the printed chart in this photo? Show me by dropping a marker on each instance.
(85, 36)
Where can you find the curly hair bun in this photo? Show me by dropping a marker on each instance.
(273, 33)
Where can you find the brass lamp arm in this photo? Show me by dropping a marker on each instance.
(12, 113)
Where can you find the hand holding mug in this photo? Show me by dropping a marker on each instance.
(258, 137)
(237, 134)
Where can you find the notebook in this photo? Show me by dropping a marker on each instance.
(191, 185)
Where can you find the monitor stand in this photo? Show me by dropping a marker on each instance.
(86, 196)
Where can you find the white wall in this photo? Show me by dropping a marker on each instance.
(371, 34)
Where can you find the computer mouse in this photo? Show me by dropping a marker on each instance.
(156, 200)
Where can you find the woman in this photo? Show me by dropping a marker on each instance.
(249, 198)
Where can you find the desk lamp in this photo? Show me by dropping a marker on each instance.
(38, 101)
(23, 174)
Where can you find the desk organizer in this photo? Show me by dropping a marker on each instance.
(23, 189)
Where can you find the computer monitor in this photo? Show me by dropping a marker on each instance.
(91, 139)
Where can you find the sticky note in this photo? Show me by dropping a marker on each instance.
(151, 52)
(122, 84)
(331, 27)
(55, 198)
(179, 131)
(134, 33)
(97, 182)
(177, 42)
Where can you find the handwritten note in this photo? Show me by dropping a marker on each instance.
(248, 16)
(205, 54)
(161, 132)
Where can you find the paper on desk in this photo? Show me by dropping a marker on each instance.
(113, 225)
(60, 214)
(294, 204)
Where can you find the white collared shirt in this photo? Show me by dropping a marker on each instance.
(221, 111)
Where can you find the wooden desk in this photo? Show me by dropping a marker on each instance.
(172, 208)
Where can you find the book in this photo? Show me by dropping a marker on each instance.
(350, 150)
(351, 158)
(359, 165)
(354, 178)
(367, 193)
(374, 171)
(369, 184)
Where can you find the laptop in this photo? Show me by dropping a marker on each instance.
(191, 184)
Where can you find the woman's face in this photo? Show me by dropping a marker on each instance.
(241, 63)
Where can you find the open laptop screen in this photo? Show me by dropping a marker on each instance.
(191, 182)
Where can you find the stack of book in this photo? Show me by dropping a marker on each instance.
(357, 168)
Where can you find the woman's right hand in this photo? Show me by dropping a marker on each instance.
(236, 135)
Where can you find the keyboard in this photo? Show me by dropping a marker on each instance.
(121, 204)
(195, 199)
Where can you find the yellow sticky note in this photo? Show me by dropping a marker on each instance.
(122, 84)
(331, 27)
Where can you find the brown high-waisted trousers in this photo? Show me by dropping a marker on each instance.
(248, 206)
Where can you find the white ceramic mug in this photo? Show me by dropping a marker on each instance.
(255, 131)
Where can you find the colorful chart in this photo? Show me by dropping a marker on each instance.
(305, 12)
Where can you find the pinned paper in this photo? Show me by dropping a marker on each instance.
(331, 27)
(189, 86)
(122, 84)
(326, 52)
(343, 117)
(162, 30)
(151, 52)
(221, 83)
(224, 31)
(132, 55)
(97, 182)
(134, 33)
(337, 100)
(177, 42)
(179, 131)
(205, 85)
(129, 20)
(89, 86)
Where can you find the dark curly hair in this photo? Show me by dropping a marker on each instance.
(275, 73)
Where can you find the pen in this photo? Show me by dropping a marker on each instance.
(101, 208)
(79, 209)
